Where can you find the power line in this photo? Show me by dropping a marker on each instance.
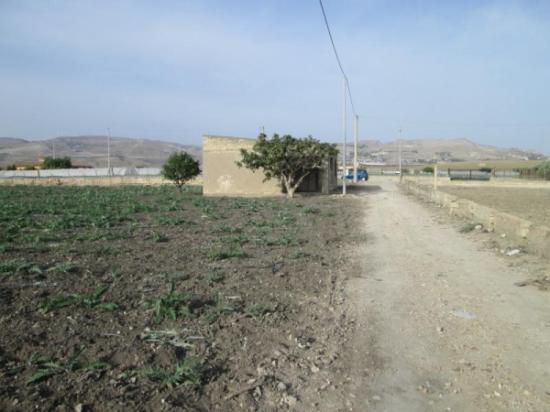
(337, 57)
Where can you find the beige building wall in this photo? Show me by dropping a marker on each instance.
(221, 175)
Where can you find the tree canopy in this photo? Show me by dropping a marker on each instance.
(57, 162)
(180, 167)
(287, 158)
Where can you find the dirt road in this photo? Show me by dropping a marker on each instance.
(440, 323)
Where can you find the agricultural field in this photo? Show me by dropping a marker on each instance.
(125, 298)
(528, 203)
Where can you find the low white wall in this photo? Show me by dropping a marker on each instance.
(494, 182)
(92, 181)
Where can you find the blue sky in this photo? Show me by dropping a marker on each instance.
(175, 70)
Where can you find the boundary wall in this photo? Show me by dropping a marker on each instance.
(83, 172)
(536, 238)
(493, 182)
(92, 181)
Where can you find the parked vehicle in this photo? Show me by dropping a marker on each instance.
(362, 174)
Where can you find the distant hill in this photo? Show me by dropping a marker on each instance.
(434, 150)
(92, 150)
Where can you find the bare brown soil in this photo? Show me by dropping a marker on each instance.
(259, 313)
(528, 203)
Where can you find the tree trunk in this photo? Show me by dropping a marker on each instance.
(288, 187)
(291, 188)
(290, 192)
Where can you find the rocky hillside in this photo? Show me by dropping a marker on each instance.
(92, 150)
(432, 150)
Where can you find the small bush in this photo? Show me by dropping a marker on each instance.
(180, 167)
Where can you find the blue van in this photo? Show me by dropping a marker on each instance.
(362, 174)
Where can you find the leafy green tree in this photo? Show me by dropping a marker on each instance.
(11, 167)
(287, 158)
(180, 167)
(428, 169)
(57, 162)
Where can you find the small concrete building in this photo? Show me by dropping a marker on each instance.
(222, 176)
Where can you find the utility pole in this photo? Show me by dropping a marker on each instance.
(344, 131)
(108, 151)
(53, 144)
(400, 161)
(355, 144)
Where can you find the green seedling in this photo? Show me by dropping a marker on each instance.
(186, 372)
(105, 250)
(221, 308)
(65, 267)
(236, 239)
(311, 210)
(289, 240)
(92, 300)
(5, 248)
(214, 277)
(20, 266)
(299, 254)
(264, 241)
(171, 306)
(230, 229)
(226, 253)
(262, 223)
(259, 310)
(159, 237)
(285, 219)
(50, 367)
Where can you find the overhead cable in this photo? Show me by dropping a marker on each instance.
(337, 56)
